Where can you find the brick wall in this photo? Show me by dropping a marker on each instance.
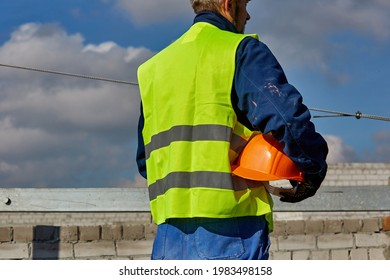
(355, 175)
(120, 241)
(334, 239)
(358, 174)
(340, 239)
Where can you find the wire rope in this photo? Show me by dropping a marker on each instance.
(68, 74)
(358, 115)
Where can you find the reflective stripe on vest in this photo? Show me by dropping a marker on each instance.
(191, 133)
(238, 140)
(188, 133)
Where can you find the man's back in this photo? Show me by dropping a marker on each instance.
(189, 121)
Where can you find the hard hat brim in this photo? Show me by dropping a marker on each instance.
(253, 175)
(260, 176)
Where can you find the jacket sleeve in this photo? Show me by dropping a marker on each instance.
(265, 101)
(141, 160)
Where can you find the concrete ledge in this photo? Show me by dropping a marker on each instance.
(136, 200)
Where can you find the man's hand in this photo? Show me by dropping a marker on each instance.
(303, 191)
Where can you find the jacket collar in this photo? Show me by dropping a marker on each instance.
(215, 19)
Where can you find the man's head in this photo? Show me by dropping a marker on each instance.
(233, 10)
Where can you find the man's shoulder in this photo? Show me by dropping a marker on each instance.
(253, 41)
(252, 44)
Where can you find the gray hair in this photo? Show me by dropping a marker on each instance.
(210, 5)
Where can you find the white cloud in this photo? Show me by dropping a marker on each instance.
(382, 140)
(303, 34)
(102, 48)
(62, 131)
(339, 152)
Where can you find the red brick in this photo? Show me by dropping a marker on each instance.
(386, 223)
(5, 234)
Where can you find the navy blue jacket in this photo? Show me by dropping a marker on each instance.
(264, 100)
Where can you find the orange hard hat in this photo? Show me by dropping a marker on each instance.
(263, 160)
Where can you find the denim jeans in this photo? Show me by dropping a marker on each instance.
(242, 238)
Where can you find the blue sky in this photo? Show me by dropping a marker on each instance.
(67, 132)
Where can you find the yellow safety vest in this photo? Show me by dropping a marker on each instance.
(191, 133)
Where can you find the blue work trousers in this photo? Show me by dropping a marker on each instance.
(242, 238)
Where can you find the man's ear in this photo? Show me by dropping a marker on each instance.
(229, 9)
(228, 5)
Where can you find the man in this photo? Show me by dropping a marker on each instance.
(203, 98)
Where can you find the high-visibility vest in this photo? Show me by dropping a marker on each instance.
(191, 133)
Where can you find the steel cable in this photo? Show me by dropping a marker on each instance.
(357, 115)
(68, 74)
